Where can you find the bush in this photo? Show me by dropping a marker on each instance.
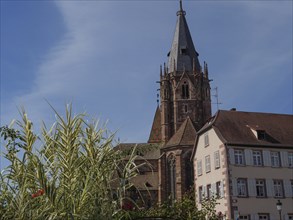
(184, 209)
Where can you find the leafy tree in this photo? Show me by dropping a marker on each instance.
(70, 171)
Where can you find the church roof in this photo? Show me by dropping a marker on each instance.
(156, 134)
(251, 128)
(144, 150)
(185, 135)
(183, 54)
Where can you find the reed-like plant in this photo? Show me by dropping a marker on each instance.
(67, 172)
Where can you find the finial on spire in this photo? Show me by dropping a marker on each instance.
(181, 5)
(181, 11)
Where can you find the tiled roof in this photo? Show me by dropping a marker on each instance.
(156, 134)
(184, 136)
(145, 150)
(237, 127)
(146, 182)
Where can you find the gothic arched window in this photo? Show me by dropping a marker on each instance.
(171, 174)
(185, 91)
(189, 175)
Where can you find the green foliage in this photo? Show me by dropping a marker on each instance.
(66, 173)
(185, 209)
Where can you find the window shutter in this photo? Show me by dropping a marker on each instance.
(254, 217)
(251, 187)
(231, 155)
(204, 192)
(248, 156)
(269, 185)
(284, 158)
(214, 190)
(267, 158)
(234, 187)
(287, 188)
(222, 189)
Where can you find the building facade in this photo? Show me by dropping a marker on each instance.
(246, 160)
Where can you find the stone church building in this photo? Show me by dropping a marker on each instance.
(185, 106)
(245, 159)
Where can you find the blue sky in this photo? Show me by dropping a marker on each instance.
(104, 57)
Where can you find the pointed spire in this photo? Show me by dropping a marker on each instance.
(206, 71)
(182, 51)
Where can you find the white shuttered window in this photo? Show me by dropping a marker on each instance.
(278, 188)
(239, 157)
(260, 188)
(217, 159)
(257, 158)
(199, 167)
(242, 187)
(208, 163)
(275, 159)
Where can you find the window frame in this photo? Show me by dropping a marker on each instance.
(267, 215)
(262, 186)
(275, 159)
(185, 90)
(278, 189)
(209, 191)
(200, 193)
(242, 190)
(218, 189)
(257, 158)
(244, 217)
(239, 157)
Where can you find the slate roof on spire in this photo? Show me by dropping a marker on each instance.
(182, 52)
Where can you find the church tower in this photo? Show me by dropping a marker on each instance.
(184, 85)
(185, 106)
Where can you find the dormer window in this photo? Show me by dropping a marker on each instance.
(261, 135)
(183, 50)
(185, 91)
